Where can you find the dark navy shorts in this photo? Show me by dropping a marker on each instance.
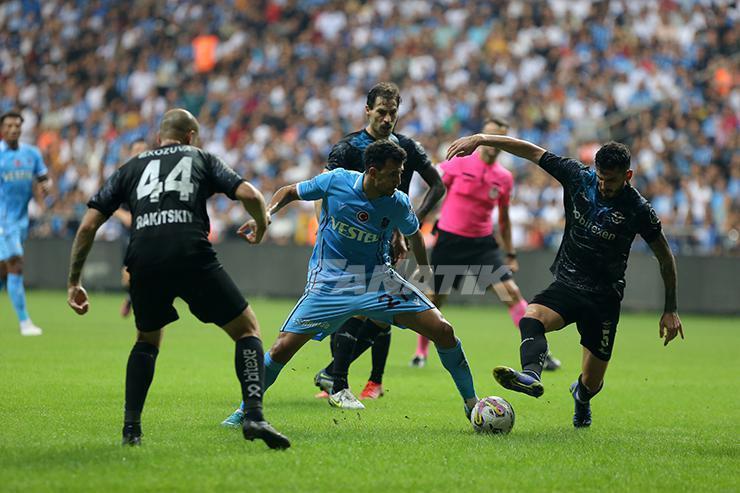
(596, 316)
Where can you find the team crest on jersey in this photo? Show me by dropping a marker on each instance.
(493, 193)
(385, 222)
(363, 216)
(17, 163)
(617, 217)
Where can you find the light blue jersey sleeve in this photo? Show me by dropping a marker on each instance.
(407, 222)
(39, 167)
(315, 188)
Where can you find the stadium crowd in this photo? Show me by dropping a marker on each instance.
(275, 83)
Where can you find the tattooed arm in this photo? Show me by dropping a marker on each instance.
(670, 323)
(76, 294)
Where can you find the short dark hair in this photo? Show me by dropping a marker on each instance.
(496, 120)
(383, 90)
(613, 155)
(380, 151)
(11, 114)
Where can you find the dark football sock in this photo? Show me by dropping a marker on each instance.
(583, 394)
(343, 351)
(333, 348)
(139, 376)
(249, 361)
(365, 338)
(381, 346)
(533, 349)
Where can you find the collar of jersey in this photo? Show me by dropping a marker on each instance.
(358, 184)
(392, 137)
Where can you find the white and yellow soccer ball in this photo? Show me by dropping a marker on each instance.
(492, 415)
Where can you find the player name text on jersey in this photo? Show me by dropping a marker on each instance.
(164, 217)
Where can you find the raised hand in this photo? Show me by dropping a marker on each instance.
(463, 146)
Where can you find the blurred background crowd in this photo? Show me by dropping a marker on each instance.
(275, 83)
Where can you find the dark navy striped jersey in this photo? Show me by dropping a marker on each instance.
(598, 232)
(347, 154)
(166, 191)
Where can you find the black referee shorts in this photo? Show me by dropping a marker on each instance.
(210, 294)
(456, 251)
(596, 316)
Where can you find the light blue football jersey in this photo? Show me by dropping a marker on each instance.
(19, 168)
(354, 232)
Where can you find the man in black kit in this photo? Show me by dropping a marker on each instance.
(169, 256)
(603, 215)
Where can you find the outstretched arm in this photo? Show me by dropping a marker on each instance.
(466, 145)
(284, 196)
(670, 323)
(76, 295)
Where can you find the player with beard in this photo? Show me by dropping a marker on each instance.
(359, 334)
(350, 271)
(604, 213)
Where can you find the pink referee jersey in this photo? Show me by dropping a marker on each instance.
(474, 189)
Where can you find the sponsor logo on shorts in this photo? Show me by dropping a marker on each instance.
(313, 324)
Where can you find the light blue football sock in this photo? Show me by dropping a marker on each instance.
(272, 370)
(17, 295)
(454, 361)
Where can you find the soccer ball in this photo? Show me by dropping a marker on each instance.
(492, 415)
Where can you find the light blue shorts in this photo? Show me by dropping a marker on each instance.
(11, 241)
(322, 313)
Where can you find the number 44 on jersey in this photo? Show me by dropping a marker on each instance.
(178, 180)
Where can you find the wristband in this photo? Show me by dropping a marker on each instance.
(511, 255)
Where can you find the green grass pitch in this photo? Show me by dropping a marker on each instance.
(667, 420)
